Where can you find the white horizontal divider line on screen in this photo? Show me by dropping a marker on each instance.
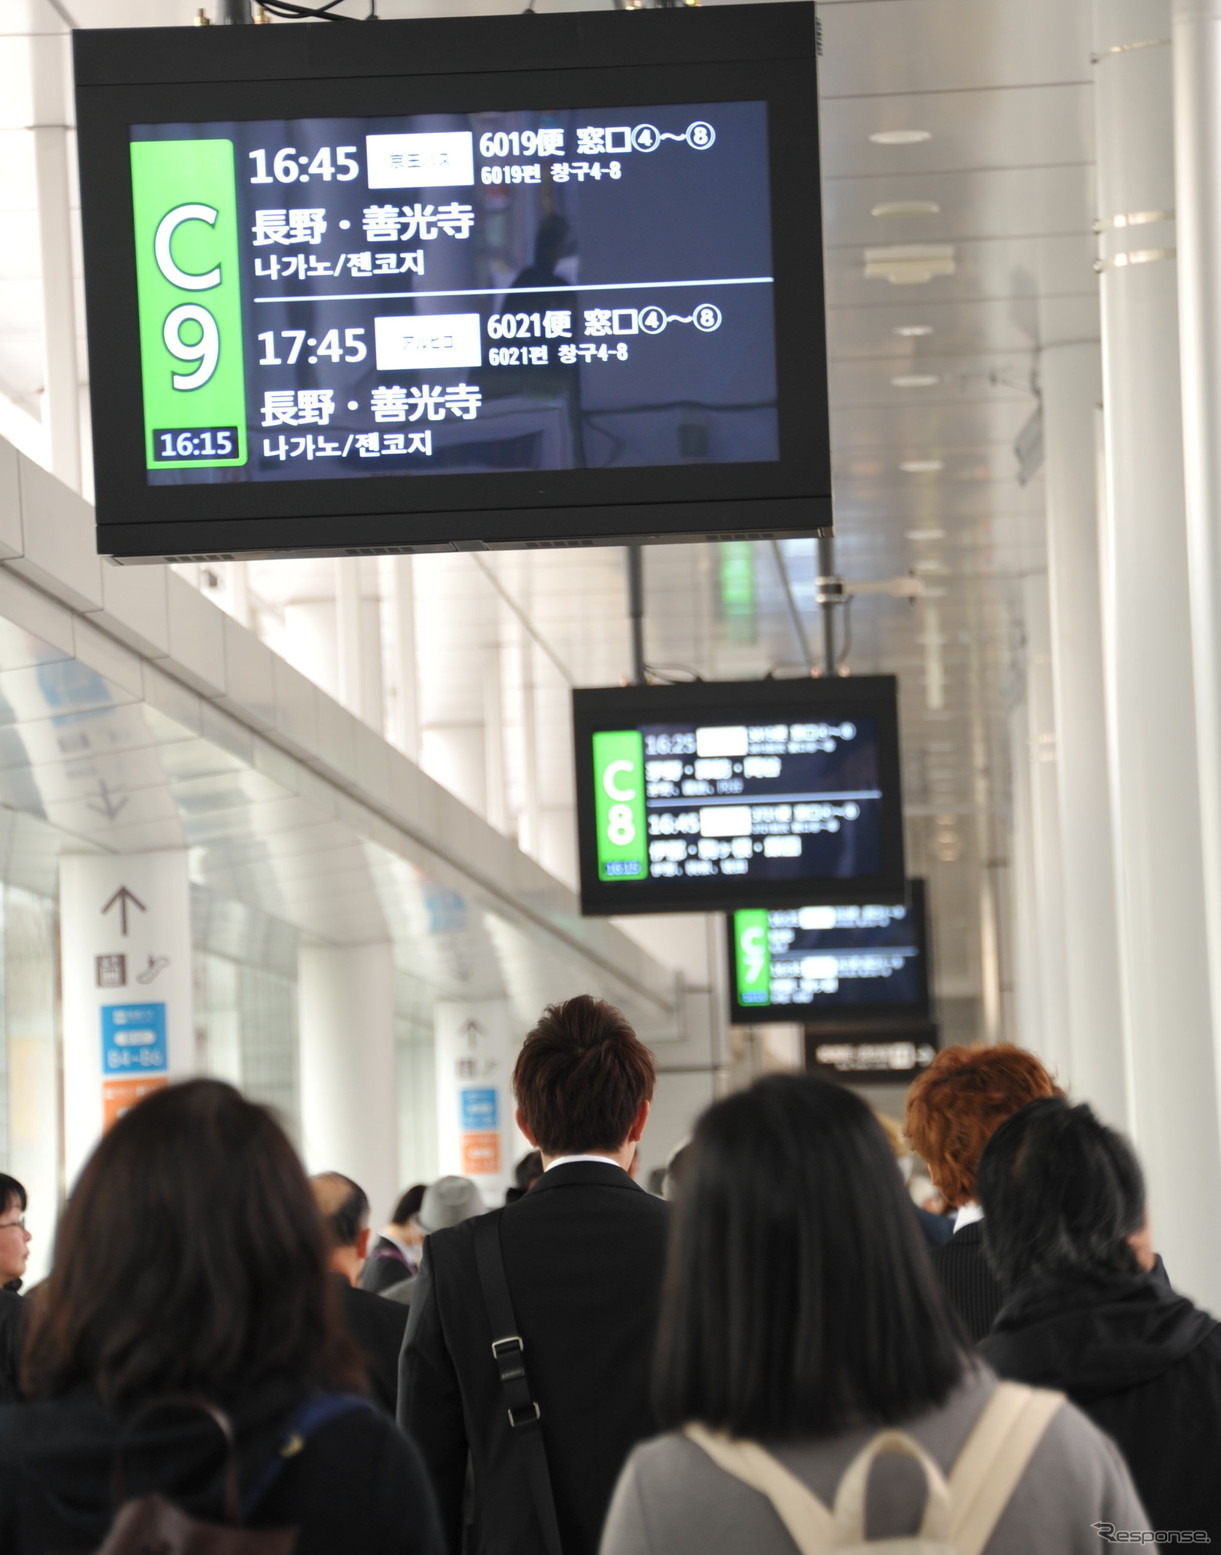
(524, 291)
(702, 801)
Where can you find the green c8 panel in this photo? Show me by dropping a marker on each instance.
(619, 807)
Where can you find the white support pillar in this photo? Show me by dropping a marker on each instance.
(401, 594)
(349, 1089)
(358, 632)
(310, 641)
(1148, 651)
(995, 854)
(1027, 968)
(454, 756)
(1197, 99)
(494, 741)
(125, 945)
(61, 410)
(1071, 378)
(1041, 759)
(518, 659)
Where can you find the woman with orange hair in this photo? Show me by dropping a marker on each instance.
(953, 1109)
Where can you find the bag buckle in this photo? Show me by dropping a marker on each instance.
(523, 1416)
(507, 1354)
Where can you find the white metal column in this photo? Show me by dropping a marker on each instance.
(1197, 100)
(349, 1089)
(1148, 651)
(1072, 390)
(1027, 968)
(61, 409)
(1042, 762)
(358, 633)
(401, 595)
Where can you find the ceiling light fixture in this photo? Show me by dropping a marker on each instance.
(926, 534)
(909, 264)
(913, 331)
(900, 137)
(922, 466)
(914, 381)
(906, 208)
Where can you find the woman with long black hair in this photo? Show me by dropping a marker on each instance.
(190, 1275)
(801, 1316)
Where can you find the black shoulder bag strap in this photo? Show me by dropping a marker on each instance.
(508, 1351)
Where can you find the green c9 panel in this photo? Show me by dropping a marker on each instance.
(188, 279)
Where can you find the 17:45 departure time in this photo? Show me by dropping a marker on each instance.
(353, 348)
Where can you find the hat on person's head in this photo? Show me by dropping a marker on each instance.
(448, 1202)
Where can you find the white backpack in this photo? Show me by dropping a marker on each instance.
(959, 1517)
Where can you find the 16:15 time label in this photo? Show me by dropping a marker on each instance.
(201, 443)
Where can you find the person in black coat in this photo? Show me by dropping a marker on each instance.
(395, 1255)
(953, 1108)
(191, 1261)
(583, 1254)
(14, 1256)
(1090, 1311)
(375, 1326)
(12, 1333)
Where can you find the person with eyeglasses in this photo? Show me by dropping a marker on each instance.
(14, 1255)
(14, 1238)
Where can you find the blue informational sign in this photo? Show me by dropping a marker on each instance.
(479, 1109)
(133, 1039)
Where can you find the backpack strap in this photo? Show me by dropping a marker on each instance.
(852, 1495)
(308, 1418)
(993, 1459)
(179, 1401)
(809, 1523)
(508, 1354)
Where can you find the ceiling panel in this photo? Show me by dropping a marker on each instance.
(882, 48)
(1033, 126)
(1017, 268)
(1009, 202)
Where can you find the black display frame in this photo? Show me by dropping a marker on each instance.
(747, 701)
(922, 1034)
(855, 1020)
(318, 70)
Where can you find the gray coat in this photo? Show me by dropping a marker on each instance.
(672, 1499)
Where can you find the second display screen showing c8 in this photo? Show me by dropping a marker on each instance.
(432, 294)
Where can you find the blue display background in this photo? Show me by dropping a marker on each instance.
(134, 1039)
(479, 1109)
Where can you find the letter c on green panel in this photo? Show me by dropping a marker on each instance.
(619, 809)
(752, 956)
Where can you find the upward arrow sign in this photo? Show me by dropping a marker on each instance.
(123, 896)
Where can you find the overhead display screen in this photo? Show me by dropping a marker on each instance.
(882, 1056)
(401, 294)
(706, 796)
(847, 964)
(503, 301)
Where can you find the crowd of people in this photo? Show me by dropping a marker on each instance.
(780, 1353)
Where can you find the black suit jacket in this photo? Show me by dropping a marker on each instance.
(384, 1266)
(583, 1253)
(13, 1315)
(376, 1327)
(967, 1280)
